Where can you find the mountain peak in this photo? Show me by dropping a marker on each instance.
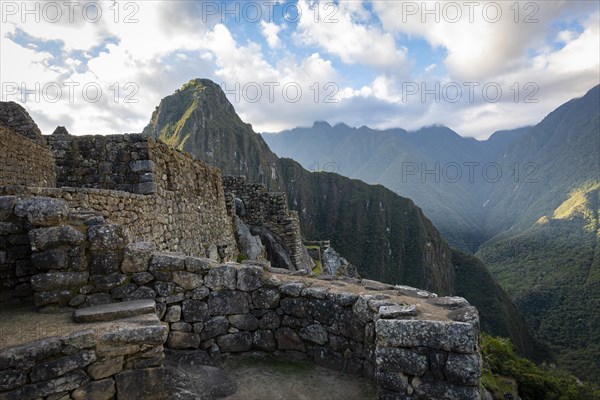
(321, 124)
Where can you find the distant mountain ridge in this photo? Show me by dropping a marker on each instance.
(513, 215)
(386, 236)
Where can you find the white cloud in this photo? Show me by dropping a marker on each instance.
(335, 30)
(270, 31)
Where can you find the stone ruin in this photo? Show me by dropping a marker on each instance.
(113, 248)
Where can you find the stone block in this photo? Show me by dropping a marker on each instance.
(463, 369)
(114, 311)
(214, 327)
(401, 360)
(55, 236)
(136, 257)
(314, 333)
(244, 322)
(103, 369)
(147, 384)
(195, 310)
(187, 280)
(249, 278)
(227, 303)
(108, 237)
(235, 342)
(55, 368)
(220, 278)
(266, 298)
(167, 262)
(42, 211)
(58, 280)
(183, 340)
(96, 390)
(288, 339)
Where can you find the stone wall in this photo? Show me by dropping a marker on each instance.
(409, 341)
(118, 360)
(156, 193)
(257, 207)
(24, 161)
(17, 119)
(115, 162)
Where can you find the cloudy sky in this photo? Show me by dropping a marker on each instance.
(475, 66)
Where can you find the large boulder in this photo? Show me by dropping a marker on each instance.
(249, 244)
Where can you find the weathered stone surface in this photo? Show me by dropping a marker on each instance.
(12, 378)
(136, 257)
(97, 299)
(316, 292)
(323, 311)
(55, 368)
(108, 237)
(269, 320)
(249, 278)
(143, 292)
(182, 326)
(164, 289)
(173, 314)
(244, 322)
(50, 259)
(37, 390)
(42, 211)
(292, 289)
(136, 335)
(266, 298)
(398, 311)
(463, 369)
(187, 280)
(96, 390)
(249, 244)
(401, 360)
(57, 298)
(147, 384)
(58, 280)
(235, 342)
(220, 278)
(106, 283)
(314, 333)
(103, 369)
(104, 263)
(227, 303)
(142, 278)
(264, 340)
(288, 339)
(449, 302)
(361, 308)
(85, 339)
(459, 337)
(197, 264)
(55, 236)
(295, 307)
(343, 298)
(199, 293)
(195, 310)
(167, 262)
(113, 311)
(214, 327)
(183, 340)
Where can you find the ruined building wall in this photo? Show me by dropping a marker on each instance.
(410, 342)
(16, 118)
(267, 209)
(24, 161)
(157, 193)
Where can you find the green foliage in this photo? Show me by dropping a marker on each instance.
(318, 269)
(500, 362)
(242, 257)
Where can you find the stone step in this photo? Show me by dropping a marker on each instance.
(114, 311)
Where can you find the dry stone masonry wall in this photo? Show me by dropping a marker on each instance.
(17, 119)
(413, 344)
(259, 208)
(24, 161)
(101, 361)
